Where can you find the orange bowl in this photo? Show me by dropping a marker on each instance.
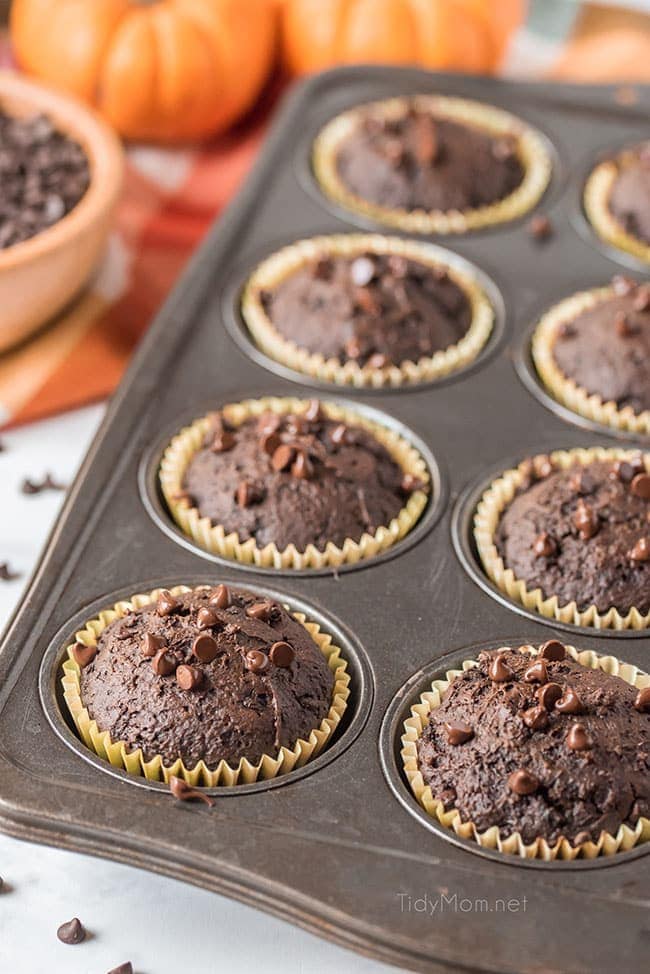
(39, 276)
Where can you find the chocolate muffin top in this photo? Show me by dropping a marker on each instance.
(373, 308)
(213, 674)
(606, 349)
(629, 198)
(421, 161)
(540, 745)
(296, 479)
(581, 533)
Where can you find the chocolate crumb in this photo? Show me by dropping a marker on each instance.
(540, 227)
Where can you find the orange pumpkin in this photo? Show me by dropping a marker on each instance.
(460, 35)
(159, 70)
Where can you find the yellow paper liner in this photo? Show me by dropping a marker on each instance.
(530, 147)
(133, 761)
(214, 539)
(564, 389)
(285, 262)
(488, 513)
(626, 837)
(596, 203)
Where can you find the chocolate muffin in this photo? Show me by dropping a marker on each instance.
(431, 155)
(617, 200)
(210, 674)
(581, 532)
(541, 746)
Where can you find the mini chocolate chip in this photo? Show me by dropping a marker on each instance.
(222, 442)
(544, 545)
(205, 648)
(6, 573)
(83, 655)
(185, 793)
(151, 644)
(626, 470)
(353, 348)
(566, 330)
(458, 732)
(322, 268)
(256, 661)
(623, 285)
(378, 361)
(641, 550)
(166, 603)
(642, 700)
(282, 457)
(540, 227)
(282, 654)
(296, 425)
(499, 671)
(314, 412)
(537, 672)
(548, 695)
(578, 739)
(37, 487)
(623, 326)
(220, 598)
(302, 468)
(71, 932)
(522, 782)
(569, 702)
(641, 486)
(642, 299)
(585, 520)
(339, 435)
(581, 482)
(554, 651)
(260, 610)
(269, 443)
(163, 663)
(206, 618)
(269, 422)
(123, 969)
(190, 677)
(535, 717)
(362, 271)
(410, 484)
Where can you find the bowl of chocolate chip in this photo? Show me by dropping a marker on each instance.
(61, 173)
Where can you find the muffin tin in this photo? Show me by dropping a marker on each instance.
(332, 847)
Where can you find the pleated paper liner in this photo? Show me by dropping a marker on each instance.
(488, 513)
(564, 389)
(118, 754)
(349, 373)
(596, 203)
(530, 147)
(213, 538)
(626, 837)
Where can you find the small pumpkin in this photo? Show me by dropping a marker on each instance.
(158, 70)
(457, 35)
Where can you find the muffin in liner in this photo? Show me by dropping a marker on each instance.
(625, 838)
(486, 520)
(214, 539)
(530, 148)
(596, 203)
(285, 262)
(564, 389)
(133, 761)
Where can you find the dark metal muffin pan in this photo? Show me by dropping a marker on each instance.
(339, 847)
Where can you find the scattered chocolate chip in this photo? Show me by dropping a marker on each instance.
(537, 672)
(566, 330)
(548, 695)
(256, 661)
(205, 648)
(220, 598)
(641, 550)
(569, 702)
(269, 422)
(458, 732)
(641, 486)
(585, 520)
(206, 618)
(83, 655)
(577, 739)
(642, 700)
(124, 968)
(189, 677)
(554, 651)
(166, 603)
(362, 271)
(540, 227)
(499, 671)
(581, 482)
(282, 654)
(536, 718)
(163, 663)
(623, 326)
(378, 361)
(642, 299)
(185, 793)
(301, 467)
(410, 484)
(260, 610)
(269, 443)
(222, 442)
(296, 425)
(523, 782)
(322, 268)
(282, 457)
(314, 412)
(29, 486)
(6, 573)
(622, 285)
(248, 494)
(626, 470)
(71, 932)
(152, 644)
(544, 545)
(339, 435)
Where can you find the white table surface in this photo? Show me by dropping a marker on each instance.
(162, 926)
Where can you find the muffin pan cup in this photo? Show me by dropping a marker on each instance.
(332, 846)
